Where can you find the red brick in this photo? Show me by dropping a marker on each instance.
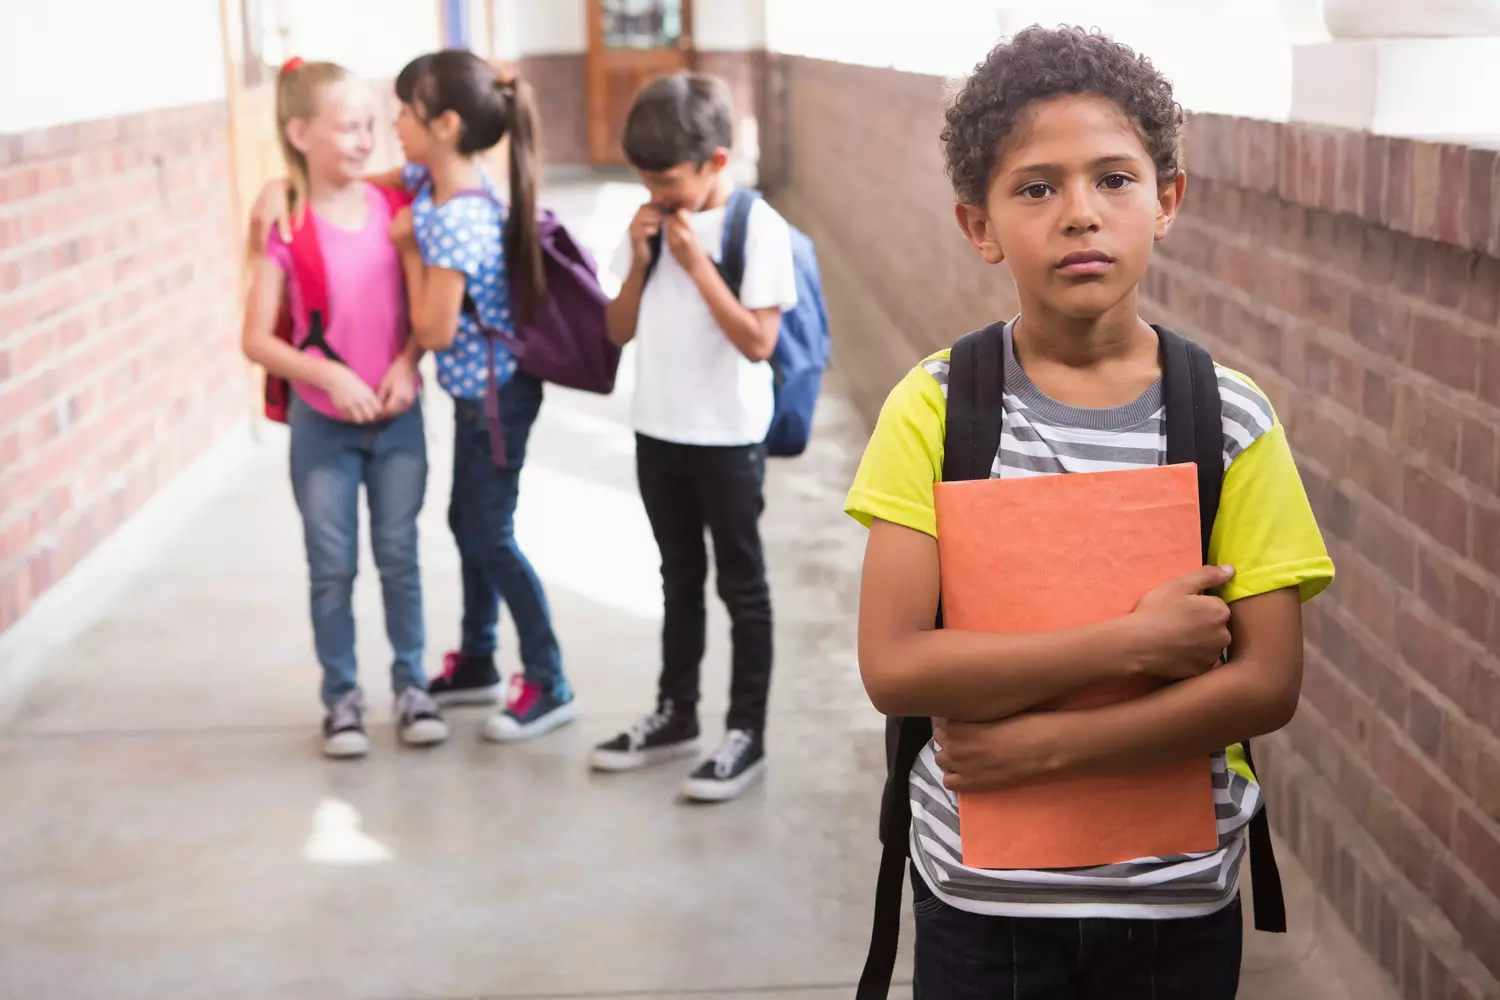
(1477, 845)
(1399, 210)
(1460, 754)
(1376, 208)
(1487, 537)
(1369, 598)
(1375, 466)
(1488, 796)
(1473, 608)
(1445, 352)
(1431, 651)
(1489, 380)
(1450, 273)
(1482, 293)
(1412, 265)
(1380, 323)
(1452, 195)
(1426, 180)
(1418, 789)
(1479, 459)
(1479, 204)
(1483, 704)
(1351, 182)
(1437, 509)
(1424, 724)
(1481, 934)
(1388, 547)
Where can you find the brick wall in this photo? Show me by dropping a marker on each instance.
(118, 329)
(1356, 278)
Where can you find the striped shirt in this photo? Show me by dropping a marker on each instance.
(1043, 437)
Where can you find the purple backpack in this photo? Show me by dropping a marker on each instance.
(566, 341)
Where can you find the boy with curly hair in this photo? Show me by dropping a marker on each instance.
(1064, 152)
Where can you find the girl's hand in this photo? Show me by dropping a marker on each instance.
(272, 210)
(354, 400)
(398, 388)
(403, 237)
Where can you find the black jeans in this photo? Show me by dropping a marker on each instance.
(687, 489)
(965, 956)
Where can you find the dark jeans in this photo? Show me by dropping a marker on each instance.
(965, 956)
(482, 515)
(687, 490)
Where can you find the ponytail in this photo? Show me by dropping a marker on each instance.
(298, 88)
(523, 248)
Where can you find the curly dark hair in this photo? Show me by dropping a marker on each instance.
(1041, 63)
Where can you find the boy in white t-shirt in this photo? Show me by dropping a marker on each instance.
(703, 406)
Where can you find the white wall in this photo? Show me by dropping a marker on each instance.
(373, 38)
(75, 60)
(1228, 56)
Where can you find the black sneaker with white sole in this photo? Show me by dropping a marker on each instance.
(466, 680)
(739, 761)
(665, 734)
(344, 736)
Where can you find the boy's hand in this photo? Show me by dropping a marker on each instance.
(979, 756)
(403, 236)
(683, 242)
(645, 225)
(398, 388)
(354, 400)
(271, 211)
(1182, 632)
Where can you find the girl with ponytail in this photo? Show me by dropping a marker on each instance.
(473, 263)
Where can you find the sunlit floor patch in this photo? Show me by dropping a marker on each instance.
(338, 837)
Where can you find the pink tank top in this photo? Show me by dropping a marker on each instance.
(366, 296)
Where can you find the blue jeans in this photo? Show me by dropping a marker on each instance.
(482, 515)
(330, 459)
(966, 956)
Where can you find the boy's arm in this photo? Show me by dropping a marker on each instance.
(911, 668)
(752, 331)
(1254, 693)
(624, 310)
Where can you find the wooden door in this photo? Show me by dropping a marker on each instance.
(630, 43)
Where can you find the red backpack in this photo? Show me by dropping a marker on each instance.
(312, 286)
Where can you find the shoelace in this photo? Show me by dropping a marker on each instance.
(650, 725)
(451, 663)
(414, 702)
(348, 711)
(519, 690)
(736, 742)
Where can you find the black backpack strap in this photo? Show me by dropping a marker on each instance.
(975, 419)
(655, 243)
(1192, 390)
(976, 413)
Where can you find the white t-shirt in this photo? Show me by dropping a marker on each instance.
(693, 386)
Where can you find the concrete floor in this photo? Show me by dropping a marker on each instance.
(171, 832)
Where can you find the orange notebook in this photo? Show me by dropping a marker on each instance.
(1056, 552)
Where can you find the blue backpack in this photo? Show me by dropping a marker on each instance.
(802, 347)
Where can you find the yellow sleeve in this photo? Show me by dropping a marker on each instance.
(904, 457)
(1265, 528)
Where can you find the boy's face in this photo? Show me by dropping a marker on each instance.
(1074, 208)
(685, 187)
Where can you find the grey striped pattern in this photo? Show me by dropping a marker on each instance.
(1044, 437)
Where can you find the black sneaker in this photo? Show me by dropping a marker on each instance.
(466, 680)
(739, 761)
(663, 735)
(344, 735)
